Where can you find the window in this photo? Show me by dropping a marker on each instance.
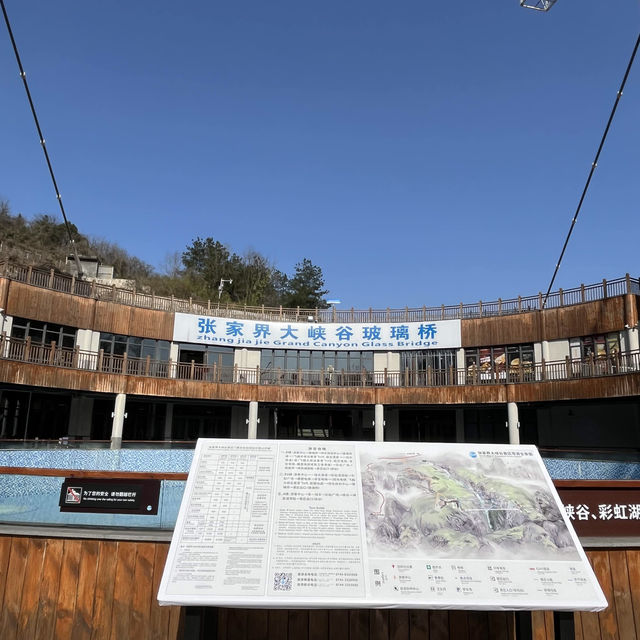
(341, 367)
(44, 333)
(292, 360)
(497, 363)
(210, 362)
(432, 367)
(115, 346)
(598, 346)
(118, 345)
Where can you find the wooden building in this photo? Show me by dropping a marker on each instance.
(84, 366)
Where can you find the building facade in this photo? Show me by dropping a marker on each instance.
(83, 365)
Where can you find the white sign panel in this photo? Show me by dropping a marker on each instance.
(359, 524)
(444, 334)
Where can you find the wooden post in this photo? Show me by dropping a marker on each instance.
(27, 349)
(385, 376)
(561, 297)
(93, 288)
(29, 274)
(258, 374)
(582, 293)
(430, 376)
(480, 308)
(543, 370)
(124, 363)
(73, 283)
(100, 359)
(460, 316)
(192, 369)
(499, 306)
(442, 311)
(113, 293)
(540, 300)
(322, 377)
(52, 352)
(628, 281)
(76, 357)
(147, 365)
(51, 274)
(604, 288)
(567, 362)
(519, 304)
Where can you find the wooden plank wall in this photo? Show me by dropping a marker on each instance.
(25, 301)
(68, 589)
(618, 571)
(600, 316)
(363, 624)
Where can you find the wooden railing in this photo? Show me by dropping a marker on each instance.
(144, 299)
(567, 369)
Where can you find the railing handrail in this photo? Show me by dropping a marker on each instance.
(148, 300)
(51, 355)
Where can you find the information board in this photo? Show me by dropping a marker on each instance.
(268, 523)
(133, 497)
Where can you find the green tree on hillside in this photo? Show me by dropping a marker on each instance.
(306, 288)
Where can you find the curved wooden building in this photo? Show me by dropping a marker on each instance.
(88, 368)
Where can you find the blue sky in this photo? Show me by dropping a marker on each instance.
(420, 153)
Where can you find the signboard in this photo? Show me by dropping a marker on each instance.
(359, 524)
(603, 512)
(260, 334)
(134, 497)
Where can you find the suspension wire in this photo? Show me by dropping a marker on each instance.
(23, 75)
(594, 164)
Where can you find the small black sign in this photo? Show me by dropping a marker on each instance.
(135, 497)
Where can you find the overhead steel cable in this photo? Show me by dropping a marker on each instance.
(594, 164)
(23, 75)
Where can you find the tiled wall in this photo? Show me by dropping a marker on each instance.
(34, 499)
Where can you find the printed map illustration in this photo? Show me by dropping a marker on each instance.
(451, 504)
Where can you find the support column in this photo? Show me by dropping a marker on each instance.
(252, 421)
(459, 425)
(545, 350)
(118, 420)
(168, 421)
(6, 323)
(512, 423)
(378, 422)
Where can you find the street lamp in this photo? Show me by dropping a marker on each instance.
(221, 287)
(333, 304)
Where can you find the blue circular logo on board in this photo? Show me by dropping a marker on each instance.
(473, 454)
